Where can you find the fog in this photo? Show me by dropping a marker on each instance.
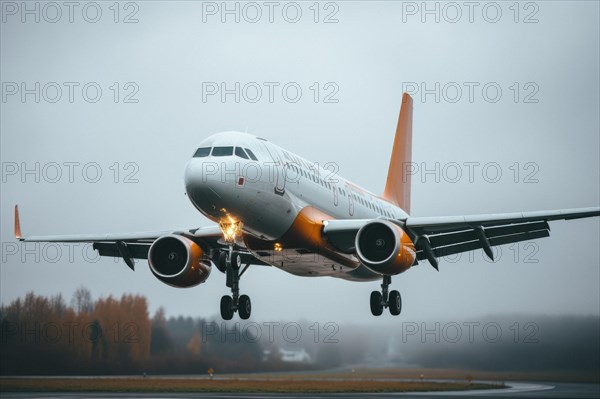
(86, 335)
(505, 119)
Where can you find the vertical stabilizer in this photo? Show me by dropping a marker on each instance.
(397, 186)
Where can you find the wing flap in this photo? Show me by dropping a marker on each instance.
(473, 245)
(137, 251)
(444, 239)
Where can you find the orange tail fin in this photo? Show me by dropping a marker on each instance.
(397, 186)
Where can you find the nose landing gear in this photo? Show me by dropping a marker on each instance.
(231, 262)
(381, 300)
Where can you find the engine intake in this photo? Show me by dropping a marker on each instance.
(178, 261)
(384, 247)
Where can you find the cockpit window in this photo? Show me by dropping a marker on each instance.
(239, 151)
(222, 151)
(202, 152)
(251, 154)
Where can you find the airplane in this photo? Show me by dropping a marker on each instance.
(274, 208)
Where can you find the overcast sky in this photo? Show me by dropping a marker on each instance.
(513, 91)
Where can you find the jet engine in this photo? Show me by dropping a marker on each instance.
(384, 247)
(178, 261)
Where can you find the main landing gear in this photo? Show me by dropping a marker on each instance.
(380, 300)
(230, 263)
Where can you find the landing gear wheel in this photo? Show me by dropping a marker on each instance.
(376, 303)
(236, 261)
(226, 307)
(222, 262)
(395, 303)
(244, 307)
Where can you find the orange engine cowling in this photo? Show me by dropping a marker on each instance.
(384, 247)
(178, 261)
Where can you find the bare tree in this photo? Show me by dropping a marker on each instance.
(58, 305)
(82, 300)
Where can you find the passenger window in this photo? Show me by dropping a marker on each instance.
(251, 155)
(202, 152)
(222, 151)
(239, 151)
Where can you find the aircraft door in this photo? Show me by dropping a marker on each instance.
(350, 201)
(278, 169)
(335, 195)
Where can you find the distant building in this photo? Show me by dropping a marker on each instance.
(298, 356)
(291, 356)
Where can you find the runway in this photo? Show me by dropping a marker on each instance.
(514, 390)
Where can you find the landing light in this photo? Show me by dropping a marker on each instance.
(230, 227)
(278, 247)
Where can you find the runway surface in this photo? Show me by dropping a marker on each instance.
(514, 390)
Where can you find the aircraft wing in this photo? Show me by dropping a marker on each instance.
(454, 234)
(136, 245)
(435, 237)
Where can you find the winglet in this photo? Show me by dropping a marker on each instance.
(18, 235)
(397, 186)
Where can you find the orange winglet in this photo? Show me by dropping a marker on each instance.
(18, 235)
(397, 186)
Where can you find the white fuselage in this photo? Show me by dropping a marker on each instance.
(268, 193)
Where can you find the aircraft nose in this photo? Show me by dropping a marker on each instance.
(201, 184)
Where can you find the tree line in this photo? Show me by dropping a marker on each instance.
(45, 335)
